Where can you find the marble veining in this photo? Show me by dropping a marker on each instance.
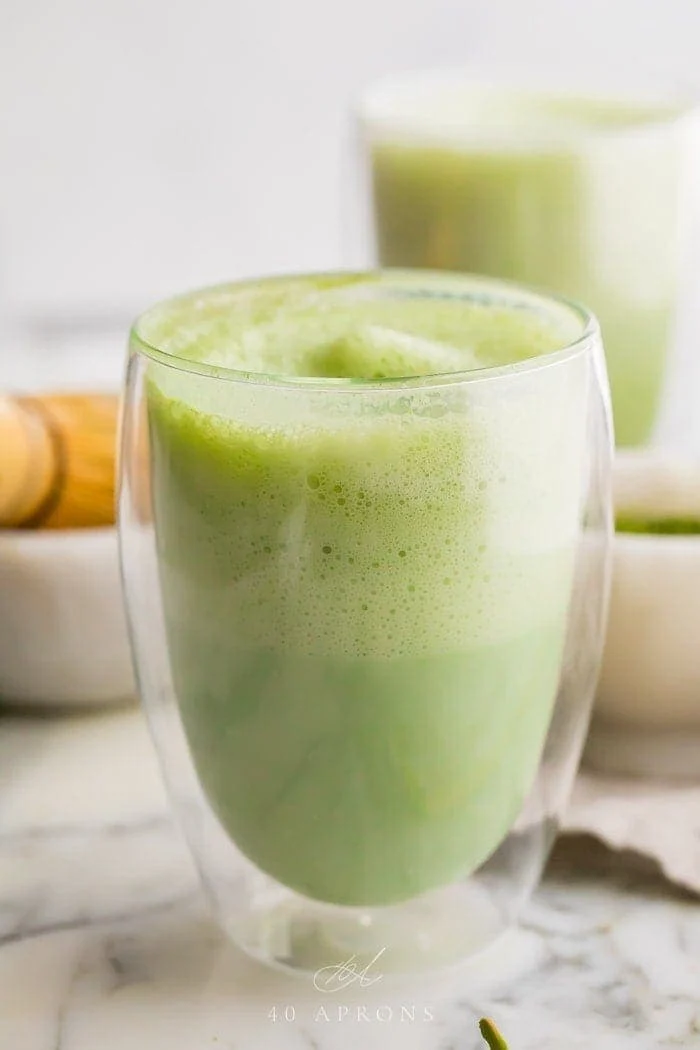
(105, 943)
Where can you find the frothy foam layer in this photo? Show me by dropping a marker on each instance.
(398, 537)
(455, 110)
(408, 525)
(358, 327)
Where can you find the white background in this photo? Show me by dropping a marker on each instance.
(151, 145)
(148, 145)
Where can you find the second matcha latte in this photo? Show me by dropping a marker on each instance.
(581, 196)
(365, 584)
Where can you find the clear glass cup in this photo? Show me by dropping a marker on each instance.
(581, 194)
(366, 613)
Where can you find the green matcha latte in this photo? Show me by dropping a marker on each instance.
(367, 493)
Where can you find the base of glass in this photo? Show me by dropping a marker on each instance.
(434, 931)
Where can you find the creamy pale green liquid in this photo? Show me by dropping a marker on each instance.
(580, 198)
(365, 615)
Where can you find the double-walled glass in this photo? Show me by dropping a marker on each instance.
(583, 195)
(366, 614)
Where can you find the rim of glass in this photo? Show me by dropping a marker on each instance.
(514, 295)
(379, 103)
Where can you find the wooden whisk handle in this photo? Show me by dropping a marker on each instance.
(32, 464)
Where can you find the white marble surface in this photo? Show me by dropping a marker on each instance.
(106, 945)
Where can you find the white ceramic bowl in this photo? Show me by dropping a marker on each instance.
(63, 636)
(647, 712)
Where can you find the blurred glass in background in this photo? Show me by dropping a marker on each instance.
(586, 190)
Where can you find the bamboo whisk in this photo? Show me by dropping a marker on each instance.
(57, 459)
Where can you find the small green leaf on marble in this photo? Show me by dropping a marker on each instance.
(491, 1034)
